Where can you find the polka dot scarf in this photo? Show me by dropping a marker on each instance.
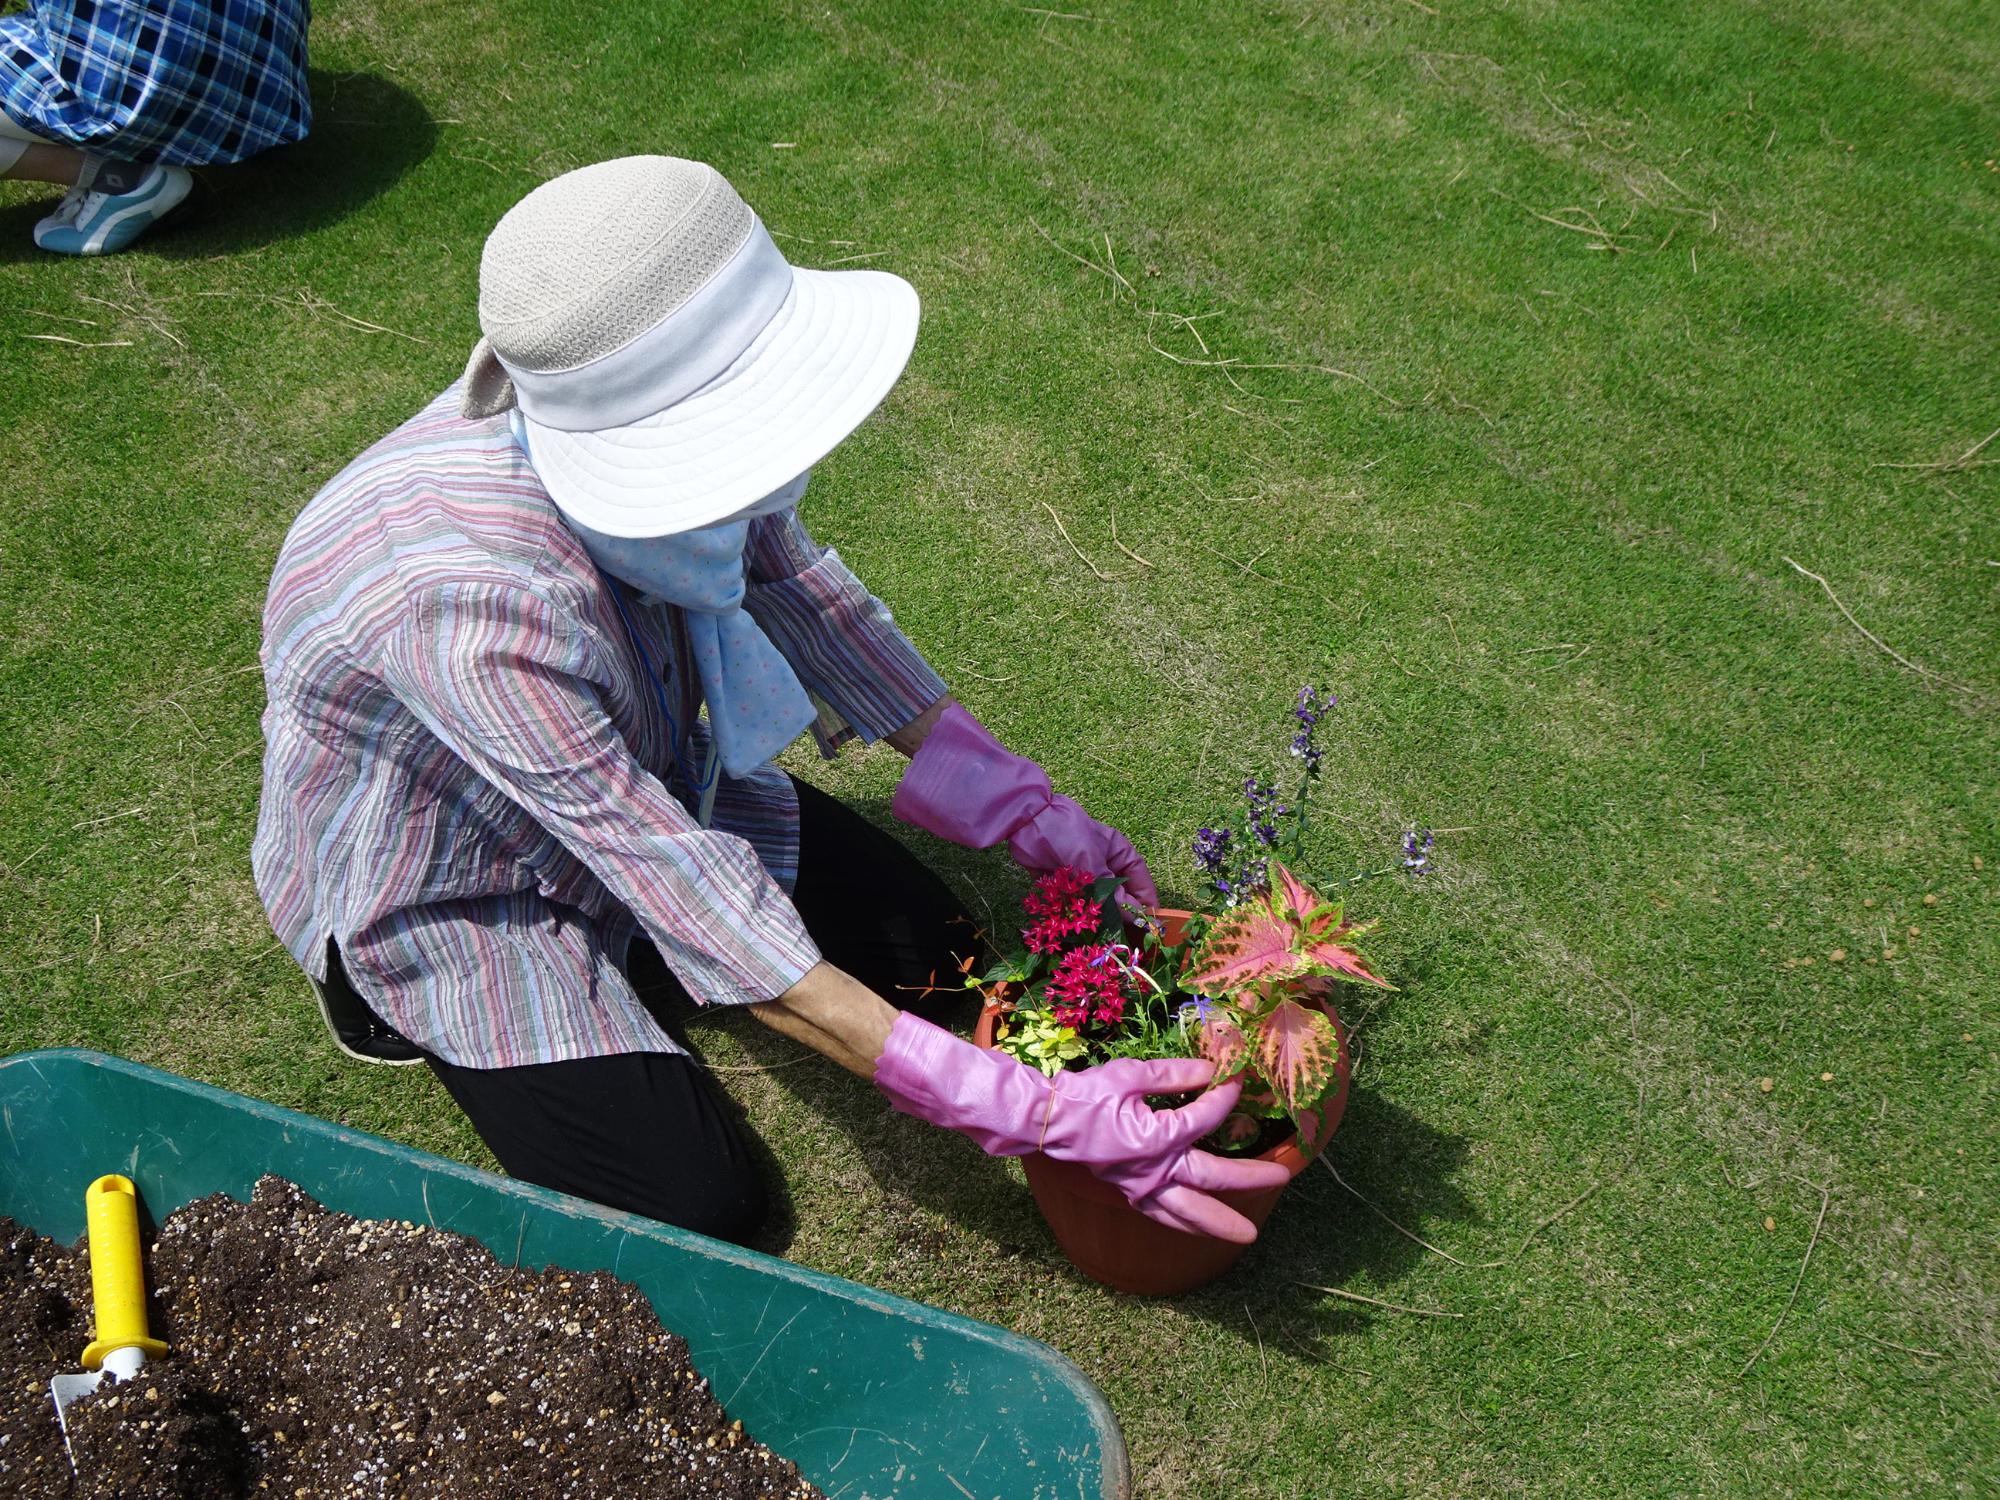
(756, 705)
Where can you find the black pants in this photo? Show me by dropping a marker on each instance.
(646, 1131)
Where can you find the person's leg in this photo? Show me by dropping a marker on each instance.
(40, 161)
(641, 1131)
(109, 203)
(28, 157)
(878, 912)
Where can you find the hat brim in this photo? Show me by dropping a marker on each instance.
(824, 362)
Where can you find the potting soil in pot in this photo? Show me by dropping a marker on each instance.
(314, 1355)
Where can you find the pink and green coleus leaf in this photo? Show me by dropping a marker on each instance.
(1307, 1122)
(1257, 1098)
(1282, 934)
(1326, 941)
(1247, 945)
(1334, 952)
(1299, 902)
(1222, 1042)
(1298, 1051)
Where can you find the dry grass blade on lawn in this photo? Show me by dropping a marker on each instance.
(1902, 660)
(57, 338)
(1422, 1312)
(1407, 1234)
(1102, 576)
(1229, 367)
(1825, 1199)
(1969, 459)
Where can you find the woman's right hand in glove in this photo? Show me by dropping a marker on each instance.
(1097, 1117)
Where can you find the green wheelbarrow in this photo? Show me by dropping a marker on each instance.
(873, 1396)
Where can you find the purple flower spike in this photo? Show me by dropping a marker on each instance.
(1211, 850)
(1265, 809)
(1312, 706)
(1417, 844)
(1197, 1008)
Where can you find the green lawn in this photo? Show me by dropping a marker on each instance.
(1630, 304)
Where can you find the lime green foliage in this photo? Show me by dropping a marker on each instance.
(1036, 1039)
(1536, 532)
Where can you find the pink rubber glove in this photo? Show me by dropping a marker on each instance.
(965, 786)
(1097, 1117)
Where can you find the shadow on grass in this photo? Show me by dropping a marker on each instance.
(912, 1162)
(1320, 1234)
(367, 134)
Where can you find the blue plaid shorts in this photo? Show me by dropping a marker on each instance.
(185, 82)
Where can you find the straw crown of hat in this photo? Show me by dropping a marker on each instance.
(590, 260)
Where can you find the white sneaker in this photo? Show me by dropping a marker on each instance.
(112, 204)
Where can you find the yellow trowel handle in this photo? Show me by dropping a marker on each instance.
(117, 1281)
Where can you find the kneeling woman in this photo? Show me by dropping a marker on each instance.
(488, 784)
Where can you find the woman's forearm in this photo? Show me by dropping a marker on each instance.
(834, 1014)
(910, 738)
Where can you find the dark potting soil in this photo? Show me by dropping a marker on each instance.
(315, 1355)
(1269, 1133)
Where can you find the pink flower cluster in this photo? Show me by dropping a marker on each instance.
(1087, 986)
(1061, 906)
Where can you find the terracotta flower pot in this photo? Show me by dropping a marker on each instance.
(1110, 1241)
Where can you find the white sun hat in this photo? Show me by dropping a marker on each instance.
(670, 366)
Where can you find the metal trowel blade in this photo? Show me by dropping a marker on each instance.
(68, 1388)
(120, 1364)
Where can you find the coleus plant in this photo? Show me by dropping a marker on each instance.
(1263, 965)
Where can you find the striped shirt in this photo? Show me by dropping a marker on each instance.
(469, 780)
(186, 82)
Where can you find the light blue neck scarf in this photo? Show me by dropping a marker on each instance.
(756, 705)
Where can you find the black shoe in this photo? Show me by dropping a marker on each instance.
(357, 1030)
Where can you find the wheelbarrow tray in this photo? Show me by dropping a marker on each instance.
(872, 1395)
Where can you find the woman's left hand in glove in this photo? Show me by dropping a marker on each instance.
(965, 786)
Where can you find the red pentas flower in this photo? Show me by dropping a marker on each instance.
(1087, 985)
(1055, 889)
(1061, 905)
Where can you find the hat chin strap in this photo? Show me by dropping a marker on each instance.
(670, 361)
